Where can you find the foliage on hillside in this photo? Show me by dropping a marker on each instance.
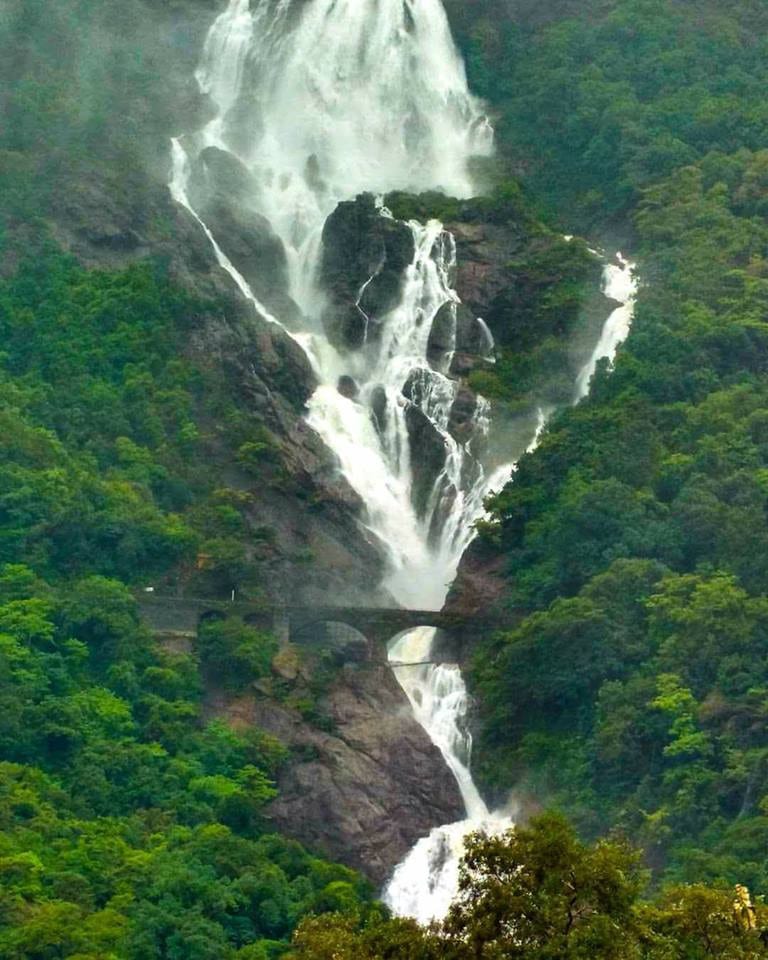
(105, 465)
(634, 695)
(599, 99)
(79, 79)
(638, 532)
(131, 824)
(540, 894)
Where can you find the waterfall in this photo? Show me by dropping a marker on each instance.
(318, 101)
(619, 283)
(322, 100)
(426, 882)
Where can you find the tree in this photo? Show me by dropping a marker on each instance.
(698, 922)
(234, 652)
(539, 893)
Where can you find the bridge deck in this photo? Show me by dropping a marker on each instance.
(292, 623)
(327, 613)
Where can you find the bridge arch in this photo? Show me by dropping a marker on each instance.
(183, 615)
(437, 647)
(339, 640)
(210, 616)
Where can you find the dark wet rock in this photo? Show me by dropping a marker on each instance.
(313, 175)
(470, 336)
(222, 191)
(506, 270)
(431, 452)
(347, 325)
(364, 791)
(362, 249)
(481, 586)
(217, 173)
(462, 364)
(379, 408)
(348, 387)
(463, 413)
(442, 336)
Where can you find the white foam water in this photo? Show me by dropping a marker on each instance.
(426, 882)
(619, 283)
(322, 100)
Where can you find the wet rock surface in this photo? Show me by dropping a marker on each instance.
(363, 263)
(432, 451)
(304, 518)
(364, 791)
(348, 387)
(221, 189)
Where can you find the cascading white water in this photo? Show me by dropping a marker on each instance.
(426, 882)
(619, 283)
(322, 100)
(325, 99)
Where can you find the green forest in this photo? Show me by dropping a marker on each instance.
(633, 697)
(132, 824)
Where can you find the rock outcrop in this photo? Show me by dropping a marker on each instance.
(222, 191)
(367, 788)
(305, 536)
(364, 260)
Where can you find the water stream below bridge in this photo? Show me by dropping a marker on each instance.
(321, 100)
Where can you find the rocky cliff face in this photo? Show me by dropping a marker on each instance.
(316, 543)
(113, 208)
(368, 786)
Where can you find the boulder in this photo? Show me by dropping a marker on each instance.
(442, 336)
(463, 413)
(364, 258)
(379, 409)
(430, 459)
(348, 387)
(366, 791)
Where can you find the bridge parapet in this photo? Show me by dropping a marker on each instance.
(292, 624)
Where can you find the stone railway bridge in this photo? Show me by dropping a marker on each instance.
(303, 625)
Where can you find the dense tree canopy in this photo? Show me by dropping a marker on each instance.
(638, 532)
(540, 894)
(633, 696)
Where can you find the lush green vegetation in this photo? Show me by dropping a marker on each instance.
(540, 894)
(542, 326)
(131, 821)
(634, 695)
(101, 468)
(131, 826)
(600, 99)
